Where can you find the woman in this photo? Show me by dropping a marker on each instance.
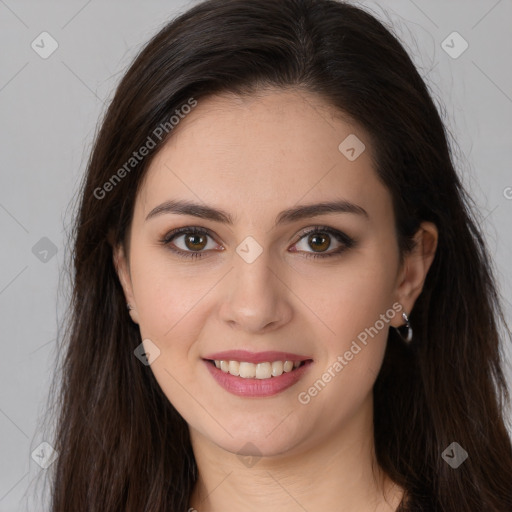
(281, 299)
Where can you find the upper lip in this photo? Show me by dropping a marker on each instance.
(256, 357)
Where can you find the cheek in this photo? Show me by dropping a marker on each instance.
(356, 305)
(171, 315)
(354, 295)
(168, 302)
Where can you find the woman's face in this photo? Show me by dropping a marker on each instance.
(254, 284)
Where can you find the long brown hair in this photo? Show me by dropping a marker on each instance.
(122, 445)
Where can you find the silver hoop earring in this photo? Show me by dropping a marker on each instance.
(407, 337)
(129, 307)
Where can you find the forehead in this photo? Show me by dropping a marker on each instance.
(278, 147)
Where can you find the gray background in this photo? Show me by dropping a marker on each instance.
(50, 108)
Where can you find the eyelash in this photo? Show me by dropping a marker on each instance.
(347, 241)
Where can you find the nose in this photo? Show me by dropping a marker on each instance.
(255, 296)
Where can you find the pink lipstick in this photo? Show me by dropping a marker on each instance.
(264, 373)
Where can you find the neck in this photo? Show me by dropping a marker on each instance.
(339, 472)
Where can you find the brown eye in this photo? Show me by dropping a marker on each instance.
(319, 241)
(188, 242)
(195, 242)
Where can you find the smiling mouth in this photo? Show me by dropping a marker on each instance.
(265, 370)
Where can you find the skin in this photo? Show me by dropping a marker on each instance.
(254, 157)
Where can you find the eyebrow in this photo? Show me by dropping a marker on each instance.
(286, 216)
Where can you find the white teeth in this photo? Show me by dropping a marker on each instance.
(263, 370)
(247, 370)
(234, 367)
(277, 368)
(259, 371)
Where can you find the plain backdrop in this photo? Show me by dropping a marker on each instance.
(50, 108)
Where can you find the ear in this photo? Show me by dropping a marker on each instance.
(416, 265)
(123, 272)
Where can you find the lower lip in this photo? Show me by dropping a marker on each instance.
(256, 387)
